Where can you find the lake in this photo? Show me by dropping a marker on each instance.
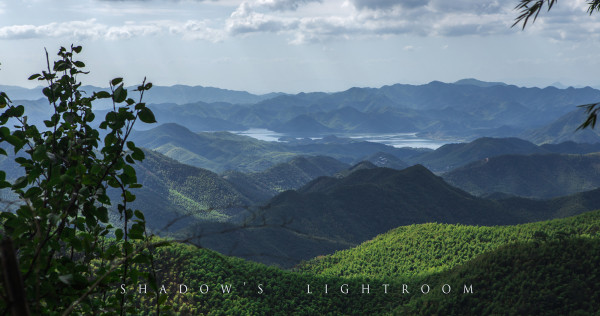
(392, 139)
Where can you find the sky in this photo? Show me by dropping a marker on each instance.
(295, 46)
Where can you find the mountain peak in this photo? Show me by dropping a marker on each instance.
(479, 83)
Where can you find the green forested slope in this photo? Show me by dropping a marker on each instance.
(418, 250)
(172, 190)
(284, 176)
(255, 289)
(557, 277)
(548, 268)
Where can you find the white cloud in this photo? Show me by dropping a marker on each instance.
(92, 29)
(283, 5)
(379, 18)
(245, 20)
(196, 30)
(305, 21)
(388, 4)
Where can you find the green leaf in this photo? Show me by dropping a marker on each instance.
(20, 183)
(77, 49)
(116, 81)
(131, 145)
(102, 95)
(39, 153)
(20, 110)
(146, 116)
(128, 214)
(139, 215)
(119, 234)
(33, 77)
(120, 94)
(90, 221)
(33, 192)
(90, 117)
(79, 64)
(162, 299)
(138, 154)
(48, 123)
(15, 141)
(129, 197)
(103, 214)
(69, 117)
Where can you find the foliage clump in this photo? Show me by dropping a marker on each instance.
(70, 257)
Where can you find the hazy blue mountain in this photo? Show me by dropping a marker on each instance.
(536, 176)
(283, 176)
(179, 94)
(571, 147)
(479, 83)
(466, 109)
(386, 160)
(359, 166)
(301, 124)
(218, 151)
(564, 129)
(221, 151)
(451, 156)
(20, 93)
(379, 120)
(198, 116)
(182, 94)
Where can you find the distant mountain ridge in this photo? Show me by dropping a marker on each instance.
(466, 109)
(564, 129)
(451, 156)
(479, 83)
(329, 214)
(180, 94)
(221, 151)
(284, 176)
(536, 176)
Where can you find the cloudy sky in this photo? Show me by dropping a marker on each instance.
(302, 45)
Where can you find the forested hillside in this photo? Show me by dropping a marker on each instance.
(283, 176)
(523, 269)
(331, 214)
(421, 249)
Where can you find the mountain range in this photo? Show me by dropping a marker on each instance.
(435, 109)
(464, 110)
(329, 214)
(222, 151)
